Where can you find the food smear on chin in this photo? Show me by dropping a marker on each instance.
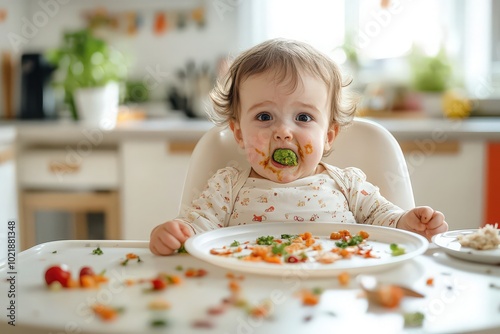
(285, 156)
(265, 164)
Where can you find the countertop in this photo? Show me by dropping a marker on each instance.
(184, 129)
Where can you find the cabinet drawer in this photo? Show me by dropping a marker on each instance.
(60, 169)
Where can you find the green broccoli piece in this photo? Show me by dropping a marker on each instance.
(285, 157)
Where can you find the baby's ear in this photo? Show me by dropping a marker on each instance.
(331, 134)
(235, 127)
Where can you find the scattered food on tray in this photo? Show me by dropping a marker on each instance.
(192, 272)
(429, 281)
(130, 256)
(415, 319)
(97, 251)
(59, 276)
(106, 312)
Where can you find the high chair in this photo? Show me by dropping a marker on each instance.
(364, 144)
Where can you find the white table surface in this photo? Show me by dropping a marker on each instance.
(461, 299)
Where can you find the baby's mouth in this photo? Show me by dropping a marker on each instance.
(285, 157)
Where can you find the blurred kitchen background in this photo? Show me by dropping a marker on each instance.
(419, 65)
(170, 52)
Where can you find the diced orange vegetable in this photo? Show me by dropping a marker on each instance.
(132, 256)
(234, 286)
(307, 236)
(335, 236)
(430, 281)
(259, 311)
(88, 281)
(273, 259)
(363, 234)
(390, 296)
(309, 298)
(310, 241)
(344, 278)
(104, 312)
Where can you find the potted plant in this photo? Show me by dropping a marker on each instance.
(89, 72)
(431, 76)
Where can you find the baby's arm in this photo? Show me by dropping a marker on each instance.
(424, 221)
(168, 237)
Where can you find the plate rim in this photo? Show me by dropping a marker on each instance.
(421, 243)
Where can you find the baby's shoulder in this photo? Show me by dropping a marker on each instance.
(348, 173)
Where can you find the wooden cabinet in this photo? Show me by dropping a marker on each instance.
(153, 179)
(449, 180)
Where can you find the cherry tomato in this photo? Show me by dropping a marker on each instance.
(158, 284)
(87, 271)
(58, 274)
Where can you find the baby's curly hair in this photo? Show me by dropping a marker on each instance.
(285, 58)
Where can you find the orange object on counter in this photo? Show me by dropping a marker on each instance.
(492, 184)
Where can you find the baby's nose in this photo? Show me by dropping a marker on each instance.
(283, 132)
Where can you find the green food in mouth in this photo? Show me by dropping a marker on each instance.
(285, 157)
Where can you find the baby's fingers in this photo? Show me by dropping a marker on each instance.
(436, 220)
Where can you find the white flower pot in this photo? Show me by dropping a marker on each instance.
(98, 106)
(432, 104)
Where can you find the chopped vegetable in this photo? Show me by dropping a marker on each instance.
(235, 243)
(179, 268)
(54, 252)
(182, 249)
(159, 323)
(397, 250)
(97, 251)
(265, 240)
(279, 249)
(356, 240)
(414, 319)
(289, 236)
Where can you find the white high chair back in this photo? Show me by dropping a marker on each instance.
(365, 145)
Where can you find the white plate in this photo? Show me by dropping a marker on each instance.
(380, 240)
(449, 243)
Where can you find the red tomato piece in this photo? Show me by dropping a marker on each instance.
(58, 274)
(158, 284)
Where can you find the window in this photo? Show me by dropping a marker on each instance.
(384, 36)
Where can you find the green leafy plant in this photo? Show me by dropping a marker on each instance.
(84, 60)
(430, 73)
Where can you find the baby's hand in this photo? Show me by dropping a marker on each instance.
(168, 237)
(424, 221)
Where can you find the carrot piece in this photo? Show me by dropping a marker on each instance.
(132, 256)
(309, 299)
(234, 286)
(310, 241)
(307, 236)
(390, 296)
(429, 281)
(344, 278)
(88, 281)
(273, 259)
(104, 312)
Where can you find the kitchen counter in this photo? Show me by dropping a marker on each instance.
(184, 129)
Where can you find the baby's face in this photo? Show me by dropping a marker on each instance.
(272, 117)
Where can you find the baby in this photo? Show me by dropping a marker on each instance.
(283, 101)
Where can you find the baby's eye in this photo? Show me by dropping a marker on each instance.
(303, 118)
(264, 117)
